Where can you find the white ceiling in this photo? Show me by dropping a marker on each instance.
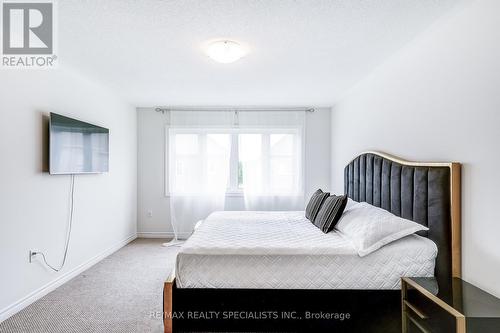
(301, 52)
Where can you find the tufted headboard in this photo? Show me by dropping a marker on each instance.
(427, 193)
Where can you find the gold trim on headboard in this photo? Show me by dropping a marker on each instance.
(456, 220)
(455, 200)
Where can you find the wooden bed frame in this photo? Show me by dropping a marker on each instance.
(364, 304)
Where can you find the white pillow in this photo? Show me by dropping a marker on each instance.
(369, 227)
(350, 204)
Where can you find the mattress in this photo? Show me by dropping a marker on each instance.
(283, 250)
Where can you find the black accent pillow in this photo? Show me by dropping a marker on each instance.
(330, 212)
(315, 203)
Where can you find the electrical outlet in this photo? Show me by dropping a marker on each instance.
(150, 213)
(32, 255)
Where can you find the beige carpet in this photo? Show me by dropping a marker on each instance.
(119, 294)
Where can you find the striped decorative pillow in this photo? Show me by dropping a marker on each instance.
(315, 203)
(330, 212)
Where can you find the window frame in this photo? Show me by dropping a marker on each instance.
(233, 190)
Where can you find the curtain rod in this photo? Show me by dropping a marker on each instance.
(230, 109)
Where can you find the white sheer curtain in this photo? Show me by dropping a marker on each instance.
(257, 156)
(271, 157)
(198, 166)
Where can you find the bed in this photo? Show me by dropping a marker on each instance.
(275, 271)
(250, 250)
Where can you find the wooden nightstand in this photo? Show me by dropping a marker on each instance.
(455, 306)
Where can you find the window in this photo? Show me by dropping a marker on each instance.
(258, 161)
(198, 161)
(269, 161)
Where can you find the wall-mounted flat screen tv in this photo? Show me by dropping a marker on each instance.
(77, 147)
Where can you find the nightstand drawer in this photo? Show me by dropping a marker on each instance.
(426, 315)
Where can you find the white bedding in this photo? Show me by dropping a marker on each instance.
(284, 250)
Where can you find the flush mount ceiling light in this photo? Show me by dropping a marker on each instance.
(225, 51)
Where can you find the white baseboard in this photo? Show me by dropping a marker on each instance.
(162, 234)
(52, 285)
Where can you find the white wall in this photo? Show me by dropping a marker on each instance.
(438, 99)
(34, 205)
(151, 168)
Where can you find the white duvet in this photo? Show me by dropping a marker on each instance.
(284, 250)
